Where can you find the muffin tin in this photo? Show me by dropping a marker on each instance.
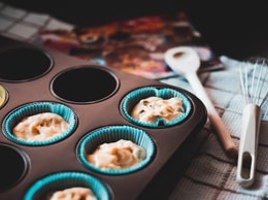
(96, 96)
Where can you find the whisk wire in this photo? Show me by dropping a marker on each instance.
(255, 85)
(260, 82)
(252, 78)
(244, 81)
(252, 86)
(264, 75)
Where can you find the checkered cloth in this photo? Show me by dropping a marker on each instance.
(211, 174)
(24, 25)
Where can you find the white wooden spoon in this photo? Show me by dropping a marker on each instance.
(186, 61)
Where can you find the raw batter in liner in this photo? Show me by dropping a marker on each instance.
(40, 127)
(150, 109)
(74, 193)
(117, 155)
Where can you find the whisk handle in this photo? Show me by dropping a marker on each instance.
(218, 125)
(248, 145)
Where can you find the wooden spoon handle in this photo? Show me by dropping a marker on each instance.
(223, 134)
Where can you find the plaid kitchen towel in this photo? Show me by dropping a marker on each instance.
(211, 174)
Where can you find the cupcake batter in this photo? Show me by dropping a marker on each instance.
(74, 193)
(117, 155)
(40, 127)
(150, 109)
(3, 96)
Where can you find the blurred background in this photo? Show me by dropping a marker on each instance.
(234, 28)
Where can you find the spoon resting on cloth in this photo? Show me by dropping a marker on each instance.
(186, 61)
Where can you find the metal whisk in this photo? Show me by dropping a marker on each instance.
(253, 75)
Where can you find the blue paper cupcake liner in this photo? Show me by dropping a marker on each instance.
(112, 134)
(63, 180)
(35, 108)
(133, 98)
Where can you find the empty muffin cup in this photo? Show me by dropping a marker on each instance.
(24, 63)
(68, 183)
(40, 123)
(84, 84)
(117, 143)
(14, 166)
(158, 107)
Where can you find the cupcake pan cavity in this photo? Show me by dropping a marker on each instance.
(14, 165)
(112, 134)
(131, 99)
(95, 101)
(24, 63)
(44, 187)
(84, 84)
(18, 114)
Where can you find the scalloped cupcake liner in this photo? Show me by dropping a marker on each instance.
(133, 98)
(35, 108)
(44, 187)
(112, 134)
